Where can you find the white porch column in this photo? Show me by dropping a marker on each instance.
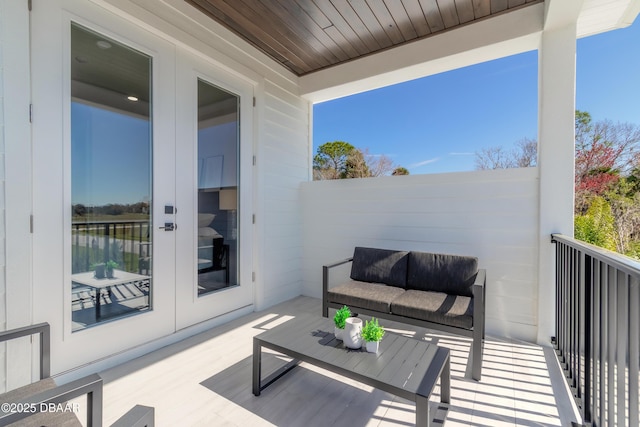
(557, 70)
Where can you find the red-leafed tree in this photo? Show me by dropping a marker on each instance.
(605, 153)
(597, 183)
(605, 144)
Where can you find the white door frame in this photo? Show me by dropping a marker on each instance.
(190, 307)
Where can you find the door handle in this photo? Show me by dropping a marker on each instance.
(168, 226)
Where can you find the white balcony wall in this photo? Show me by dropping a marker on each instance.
(489, 214)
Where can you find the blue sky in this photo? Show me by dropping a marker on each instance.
(437, 123)
(110, 156)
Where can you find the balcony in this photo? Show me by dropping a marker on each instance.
(593, 374)
(206, 380)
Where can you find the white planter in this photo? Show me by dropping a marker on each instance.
(352, 330)
(338, 333)
(372, 346)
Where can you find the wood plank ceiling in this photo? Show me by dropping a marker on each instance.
(309, 35)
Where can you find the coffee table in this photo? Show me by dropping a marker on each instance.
(403, 366)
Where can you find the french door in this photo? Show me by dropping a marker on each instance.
(213, 164)
(140, 212)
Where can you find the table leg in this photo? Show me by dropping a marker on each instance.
(440, 367)
(445, 382)
(98, 295)
(423, 416)
(257, 366)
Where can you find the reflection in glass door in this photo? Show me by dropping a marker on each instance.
(218, 148)
(111, 170)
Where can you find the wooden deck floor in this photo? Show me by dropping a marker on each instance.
(206, 381)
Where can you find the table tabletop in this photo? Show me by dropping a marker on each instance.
(119, 278)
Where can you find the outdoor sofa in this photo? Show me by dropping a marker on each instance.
(435, 291)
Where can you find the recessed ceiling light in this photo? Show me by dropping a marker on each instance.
(102, 44)
(132, 98)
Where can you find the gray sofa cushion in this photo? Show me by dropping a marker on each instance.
(452, 274)
(371, 296)
(380, 266)
(435, 307)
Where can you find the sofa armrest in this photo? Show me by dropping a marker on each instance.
(337, 263)
(478, 290)
(481, 280)
(44, 330)
(325, 283)
(91, 386)
(479, 301)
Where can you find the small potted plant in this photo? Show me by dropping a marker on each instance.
(98, 270)
(109, 267)
(372, 333)
(339, 320)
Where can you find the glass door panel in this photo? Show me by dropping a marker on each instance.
(214, 172)
(111, 180)
(217, 192)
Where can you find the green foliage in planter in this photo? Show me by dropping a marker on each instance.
(372, 331)
(111, 265)
(341, 317)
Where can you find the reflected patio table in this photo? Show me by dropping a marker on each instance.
(119, 278)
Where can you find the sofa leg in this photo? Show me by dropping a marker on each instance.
(325, 310)
(476, 369)
(476, 355)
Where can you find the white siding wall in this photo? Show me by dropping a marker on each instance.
(15, 196)
(283, 162)
(489, 214)
(3, 290)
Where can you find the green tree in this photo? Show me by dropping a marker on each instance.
(625, 207)
(356, 165)
(79, 210)
(339, 160)
(597, 225)
(330, 162)
(400, 171)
